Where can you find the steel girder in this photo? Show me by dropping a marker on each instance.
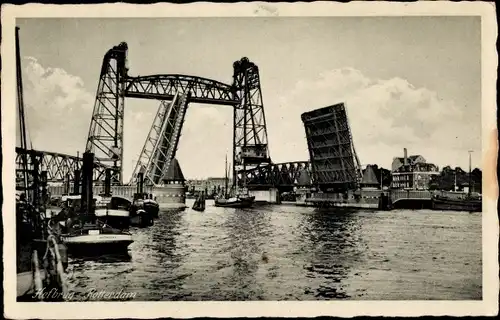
(166, 86)
(333, 158)
(277, 175)
(162, 141)
(250, 144)
(59, 167)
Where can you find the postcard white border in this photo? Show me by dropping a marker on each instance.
(99, 310)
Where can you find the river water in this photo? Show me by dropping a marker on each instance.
(293, 253)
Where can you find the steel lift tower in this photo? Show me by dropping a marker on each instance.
(105, 137)
(250, 147)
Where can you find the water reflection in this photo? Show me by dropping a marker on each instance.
(157, 255)
(331, 236)
(247, 231)
(293, 253)
(103, 258)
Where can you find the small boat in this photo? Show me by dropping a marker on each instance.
(96, 238)
(147, 203)
(199, 204)
(151, 206)
(142, 211)
(114, 211)
(239, 200)
(141, 218)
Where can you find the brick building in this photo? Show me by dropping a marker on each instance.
(412, 172)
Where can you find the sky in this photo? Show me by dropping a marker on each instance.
(411, 82)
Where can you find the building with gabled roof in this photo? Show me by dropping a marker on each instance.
(398, 162)
(369, 180)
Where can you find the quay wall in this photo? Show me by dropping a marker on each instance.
(372, 198)
(367, 199)
(410, 194)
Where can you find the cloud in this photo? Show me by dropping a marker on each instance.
(58, 108)
(205, 139)
(385, 115)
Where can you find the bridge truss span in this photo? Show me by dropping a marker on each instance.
(59, 167)
(166, 86)
(284, 176)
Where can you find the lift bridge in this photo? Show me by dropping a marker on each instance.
(252, 164)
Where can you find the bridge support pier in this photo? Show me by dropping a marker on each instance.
(266, 196)
(170, 196)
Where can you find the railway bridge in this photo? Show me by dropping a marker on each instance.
(174, 92)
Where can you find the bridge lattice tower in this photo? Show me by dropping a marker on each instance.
(250, 143)
(105, 138)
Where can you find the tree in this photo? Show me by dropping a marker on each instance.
(477, 180)
(446, 179)
(435, 182)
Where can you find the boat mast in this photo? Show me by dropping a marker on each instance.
(470, 171)
(244, 174)
(381, 180)
(22, 123)
(455, 186)
(225, 179)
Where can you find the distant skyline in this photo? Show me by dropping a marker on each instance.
(411, 82)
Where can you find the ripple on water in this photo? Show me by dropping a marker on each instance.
(293, 253)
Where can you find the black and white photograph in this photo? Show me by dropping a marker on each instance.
(264, 154)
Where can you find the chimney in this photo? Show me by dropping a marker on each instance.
(405, 157)
(76, 183)
(67, 182)
(87, 183)
(107, 183)
(140, 183)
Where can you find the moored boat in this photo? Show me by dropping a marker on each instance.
(96, 238)
(458, 200)
(151, 206)
(86, 232)
(145, 202)
(144, 206)
(114, 211)
(464, 203)
(142, 212)
(39, 254)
